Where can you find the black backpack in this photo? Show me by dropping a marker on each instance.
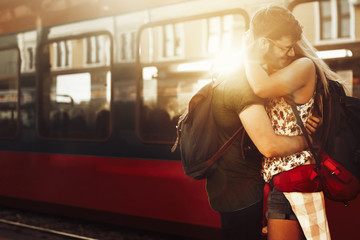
(337, 160)
(198, 135)
(341, 128)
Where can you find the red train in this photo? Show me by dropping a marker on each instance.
(90, 93)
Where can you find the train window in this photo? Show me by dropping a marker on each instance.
(125, 29)
(325, 20)
(343, 8)
(27, 47)
(214, 34)
(222, 31)
(173, 39)
(127, 46)
(334, 20)
(175, 60)
(30, 52)
(75, 88)
(9, 92)
(334, 27)
(349, 83)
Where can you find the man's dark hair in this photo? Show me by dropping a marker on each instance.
(275, 21)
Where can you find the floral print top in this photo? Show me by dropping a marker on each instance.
(284, 123)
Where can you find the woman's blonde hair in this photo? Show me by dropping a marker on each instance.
(305, 49)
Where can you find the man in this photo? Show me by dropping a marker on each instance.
(235, 189)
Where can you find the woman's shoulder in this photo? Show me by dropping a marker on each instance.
(303, 71)
(304, 62)
(306, 71)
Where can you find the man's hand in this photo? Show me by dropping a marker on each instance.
(311, 124)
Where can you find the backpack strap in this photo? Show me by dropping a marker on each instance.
(303, 129)
(323, 108)
(230, 141)
(178, 130)
(225, 147)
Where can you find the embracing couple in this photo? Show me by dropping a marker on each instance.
(277, 61)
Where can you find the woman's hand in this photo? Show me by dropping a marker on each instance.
(312, 124)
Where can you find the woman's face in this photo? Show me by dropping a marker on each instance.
(280, 52)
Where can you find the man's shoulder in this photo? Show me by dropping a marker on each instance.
(234, 75)
(234, 91)
(235, 82)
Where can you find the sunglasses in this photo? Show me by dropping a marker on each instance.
(286, 50)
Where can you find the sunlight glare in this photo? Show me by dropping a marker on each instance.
(195, 66)
(227, 61)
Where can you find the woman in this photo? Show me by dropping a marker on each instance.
(276, 67)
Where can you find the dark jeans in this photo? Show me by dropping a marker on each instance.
(278, 207)
(243, 224)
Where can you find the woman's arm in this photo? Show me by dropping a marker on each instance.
(258, 126)
(284, 81)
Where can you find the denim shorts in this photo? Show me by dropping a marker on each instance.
(278, 207)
